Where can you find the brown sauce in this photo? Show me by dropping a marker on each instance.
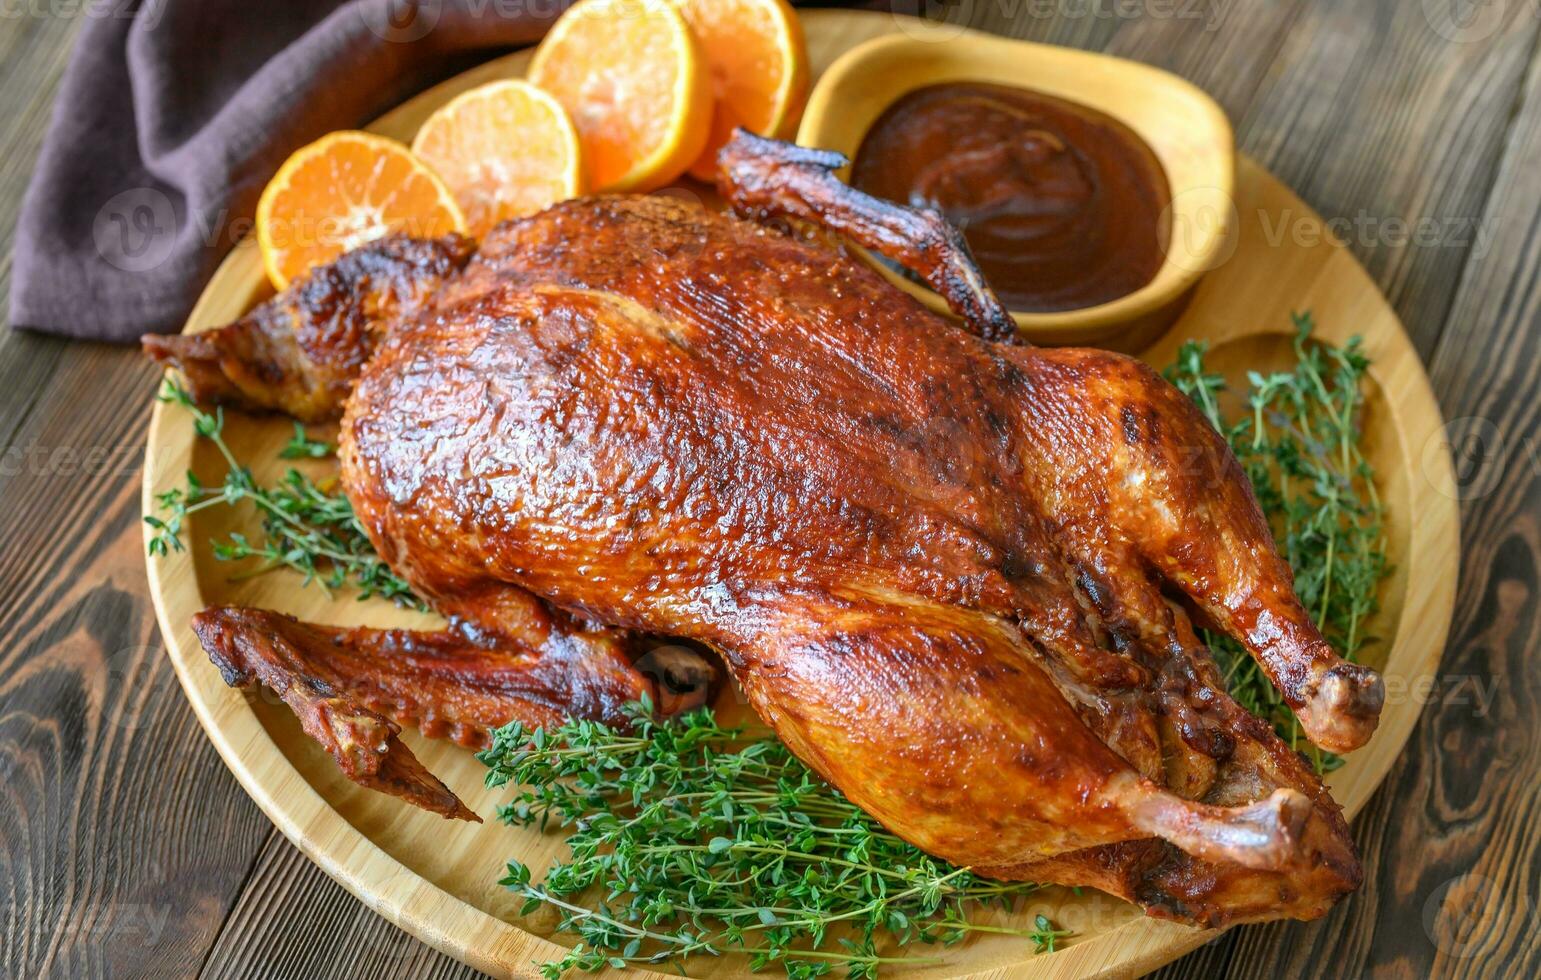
(1061, 204)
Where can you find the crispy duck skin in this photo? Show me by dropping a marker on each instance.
(300, 352)
(951, 573)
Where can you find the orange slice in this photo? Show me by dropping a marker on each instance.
(633, 80)
(344, 190)
(505, 149)
(758, 62)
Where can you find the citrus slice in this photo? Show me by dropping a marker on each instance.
(343, 190)
(505, 149)
(758, 63)
(632, 78)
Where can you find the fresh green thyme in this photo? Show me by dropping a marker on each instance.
(699, 840)
(306, 526)
(1299, 444)
(302, 446)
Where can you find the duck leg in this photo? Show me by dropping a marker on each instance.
(1144, 488)
(941, 723)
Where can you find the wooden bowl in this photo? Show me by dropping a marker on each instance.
(1185, 127)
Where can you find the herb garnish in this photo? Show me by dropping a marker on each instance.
(705, 841)
(306, 526)
(1299, 445)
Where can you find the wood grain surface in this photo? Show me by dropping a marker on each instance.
(128, 849)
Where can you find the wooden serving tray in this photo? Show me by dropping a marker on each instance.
(438, 879)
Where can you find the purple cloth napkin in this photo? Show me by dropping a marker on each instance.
(173, 114)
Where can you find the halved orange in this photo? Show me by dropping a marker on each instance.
(343, 190)
(758, 61)
(505, 149)
(631, 76)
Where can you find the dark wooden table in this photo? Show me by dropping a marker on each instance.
(128, 850)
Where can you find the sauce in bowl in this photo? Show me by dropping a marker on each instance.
(1061, 204)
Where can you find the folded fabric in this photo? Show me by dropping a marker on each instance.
(173, 114)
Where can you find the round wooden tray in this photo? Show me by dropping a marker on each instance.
(438, 879)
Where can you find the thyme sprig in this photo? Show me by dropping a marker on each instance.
(696, 840)
(1299, 443)
(306, 526)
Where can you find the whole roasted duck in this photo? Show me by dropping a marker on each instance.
(955, 574)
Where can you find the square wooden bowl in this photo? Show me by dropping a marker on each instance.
(1186, 129)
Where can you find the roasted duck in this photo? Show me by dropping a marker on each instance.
(955, 574)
